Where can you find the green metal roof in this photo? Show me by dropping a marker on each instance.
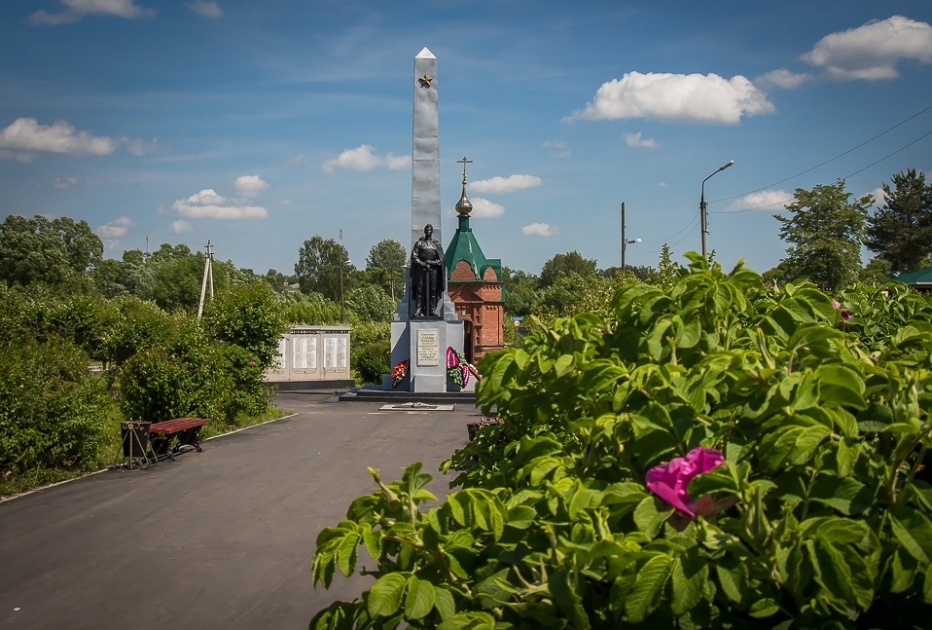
(464, 246)
(923, 276)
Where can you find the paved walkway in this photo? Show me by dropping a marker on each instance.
(218, 539)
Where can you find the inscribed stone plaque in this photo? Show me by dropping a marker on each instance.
(428, 346)
(335, 352)
(304, 352)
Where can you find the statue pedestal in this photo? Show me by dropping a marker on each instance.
(423, 343)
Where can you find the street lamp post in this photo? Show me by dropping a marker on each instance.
(703, 223)
(342, 302)
(624, 241)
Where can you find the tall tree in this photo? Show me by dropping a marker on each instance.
(318, 267)
(565, 264)
(520, 291)
(825, 230)
(385, 266)
(56, 252)
(900, 231)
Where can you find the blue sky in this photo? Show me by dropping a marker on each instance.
(257, 125)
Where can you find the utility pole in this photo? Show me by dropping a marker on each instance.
(208, 278)
(703, 217)
(624, 240)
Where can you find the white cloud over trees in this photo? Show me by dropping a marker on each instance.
(207, 204)
(538, 229)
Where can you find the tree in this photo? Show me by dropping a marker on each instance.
(370, 303)
(900, 231)
(825, 230)
(520, 291)
(56, 252)
(318, 267)
(565, 264)
(385, 266)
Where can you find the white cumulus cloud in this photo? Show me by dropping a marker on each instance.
(207, 204)
(872, 51)
(206, 9)
(364, 158)
(636, 141)
(25, 136)
(761, 200)
(74, 10)
(485, 209)
(249, 185)
(782, 78)
(538, 229)
(116, 228)
(180, 226)
(669, 97)
(505, 184)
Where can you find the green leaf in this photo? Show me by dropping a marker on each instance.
(346, 553)
(648, 518)
(689, 577)
(848, 496)
(420, 599)
(903, 568)
(444, 603)
(384, 598)
(563, 365)
(734, 580)
(646, 594)
(905, 537)
(568, 599)
(806, 444)
(841, 384)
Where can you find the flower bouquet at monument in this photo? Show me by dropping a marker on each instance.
(399, 372)
(458, 369)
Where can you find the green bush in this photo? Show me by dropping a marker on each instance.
(249, 316)
(820, 515)
(54, 414)
(371, 361)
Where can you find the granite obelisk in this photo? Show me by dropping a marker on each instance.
(421, 337)
(425, 151)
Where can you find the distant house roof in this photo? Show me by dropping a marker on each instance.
(921, 280)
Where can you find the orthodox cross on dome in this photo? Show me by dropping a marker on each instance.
(463, 206)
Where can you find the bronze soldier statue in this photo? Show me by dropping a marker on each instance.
(427, 277)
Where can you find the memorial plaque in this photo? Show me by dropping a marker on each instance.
(304, 352)
(428, 346)
(335, 355)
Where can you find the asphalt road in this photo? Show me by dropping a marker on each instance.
(217, 539)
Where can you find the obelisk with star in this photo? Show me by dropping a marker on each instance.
(425, 168)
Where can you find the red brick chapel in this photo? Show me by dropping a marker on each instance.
(474, 284)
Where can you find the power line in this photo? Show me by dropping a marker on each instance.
(860, 170)
(840, 155)
(905, 146)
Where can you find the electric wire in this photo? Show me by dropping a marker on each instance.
(840, 155)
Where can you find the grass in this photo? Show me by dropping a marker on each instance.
(27, 481)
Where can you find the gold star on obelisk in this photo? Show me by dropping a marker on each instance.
(425, 80)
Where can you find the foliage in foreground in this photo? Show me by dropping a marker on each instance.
(819, 517)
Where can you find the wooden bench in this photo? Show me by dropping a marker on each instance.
(170, 437)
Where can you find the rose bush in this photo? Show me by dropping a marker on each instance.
(822, 512)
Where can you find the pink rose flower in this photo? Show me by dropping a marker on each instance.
(669, 481)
